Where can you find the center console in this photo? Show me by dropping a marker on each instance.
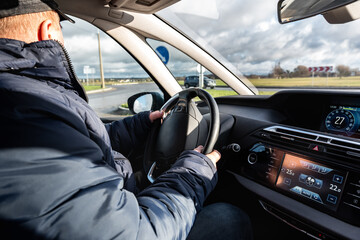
(317, 170)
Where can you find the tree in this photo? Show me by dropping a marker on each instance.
(301, 71)
(277, 71)
(343, 70)
(355, 71)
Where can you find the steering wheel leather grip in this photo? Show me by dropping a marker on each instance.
(183, 128)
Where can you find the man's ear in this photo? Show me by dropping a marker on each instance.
(49, 30)
(46, 30)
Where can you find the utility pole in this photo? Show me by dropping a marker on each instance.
(200, 70)
(101, 64)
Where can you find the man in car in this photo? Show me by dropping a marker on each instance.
(58, 177)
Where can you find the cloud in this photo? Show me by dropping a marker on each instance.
(249, 36)
(81, 41)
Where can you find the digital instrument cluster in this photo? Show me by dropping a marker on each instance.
(343, 120)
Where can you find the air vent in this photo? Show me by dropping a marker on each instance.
(293, 133)
(296, 133)
(353, 146)
(306, 140)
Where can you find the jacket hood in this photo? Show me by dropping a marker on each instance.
(43, 60)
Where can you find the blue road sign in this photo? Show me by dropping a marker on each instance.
(163, 54)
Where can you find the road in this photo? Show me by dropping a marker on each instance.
(105, 103)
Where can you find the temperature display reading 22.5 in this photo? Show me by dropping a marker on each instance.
(343, 120)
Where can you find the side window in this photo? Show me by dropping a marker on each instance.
(188, 72)
(123, 76)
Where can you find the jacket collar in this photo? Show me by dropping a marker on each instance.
(43, 60)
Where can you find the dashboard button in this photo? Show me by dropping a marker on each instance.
(265, 135)
(296, 189)
(316, 148)
(324, 170)
(316, 197)
(306, 193)
(302, 178)
(331, 199)
(314, 167)
(310, 181)
(252, 158)
(352, 200)
(318, 183)
(287, 181)
(338, 179)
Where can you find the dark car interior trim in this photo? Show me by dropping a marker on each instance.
(296, 125)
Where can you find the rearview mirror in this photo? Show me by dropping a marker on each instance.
(145, 101)
(293, 10)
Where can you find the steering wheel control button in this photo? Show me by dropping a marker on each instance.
(338, 179)
(331, 199)
(252, 158)
(180, 108)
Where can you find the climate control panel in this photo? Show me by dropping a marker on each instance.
(324, 186)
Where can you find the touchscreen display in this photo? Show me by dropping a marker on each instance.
(309, 180)
(343, 120)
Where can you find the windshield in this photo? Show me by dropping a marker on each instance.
(246, 37)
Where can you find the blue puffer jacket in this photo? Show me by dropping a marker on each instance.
(58, 178)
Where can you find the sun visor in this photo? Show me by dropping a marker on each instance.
(343, 14)
(141, 6)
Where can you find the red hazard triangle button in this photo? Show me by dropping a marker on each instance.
(316, 148)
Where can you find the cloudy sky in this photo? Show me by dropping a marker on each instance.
(243, 33)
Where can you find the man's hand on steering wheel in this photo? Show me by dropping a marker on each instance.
(155, 115)
(214, 156)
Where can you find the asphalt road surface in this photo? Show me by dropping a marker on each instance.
(108, 102)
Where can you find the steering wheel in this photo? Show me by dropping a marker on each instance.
(183, 127)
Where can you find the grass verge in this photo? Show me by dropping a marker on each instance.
(91, 87)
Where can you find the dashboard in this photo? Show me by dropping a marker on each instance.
(300, 154)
